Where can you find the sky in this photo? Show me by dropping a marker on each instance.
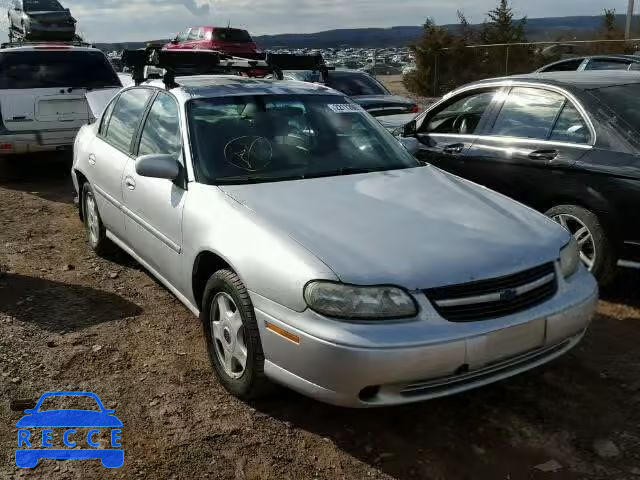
(133, 20)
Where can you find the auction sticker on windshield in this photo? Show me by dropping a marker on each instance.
(345, 108)
(50, 432)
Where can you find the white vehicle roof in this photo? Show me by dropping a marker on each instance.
(205, 86)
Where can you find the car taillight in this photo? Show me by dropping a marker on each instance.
(415, 109)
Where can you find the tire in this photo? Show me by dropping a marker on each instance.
(94, 228)
(249, 382)
(597, 248)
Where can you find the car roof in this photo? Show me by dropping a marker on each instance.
(47, 47)
(583, 80)
(205, 86)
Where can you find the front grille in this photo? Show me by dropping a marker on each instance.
(495, 298)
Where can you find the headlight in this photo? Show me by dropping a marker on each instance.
(570, 258)
(359, 303)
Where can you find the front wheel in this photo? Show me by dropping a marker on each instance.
(597, 250)
(232, 336)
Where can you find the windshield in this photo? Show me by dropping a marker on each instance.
(42, 5)
(624, 100)
(58, 69)
(232, 35)
(265, 138)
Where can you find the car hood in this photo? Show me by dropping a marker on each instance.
(418, 228)
(69, 418)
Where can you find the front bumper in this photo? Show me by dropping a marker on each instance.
(16, 143)
(368, 365)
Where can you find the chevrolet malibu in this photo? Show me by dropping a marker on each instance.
(318, 253)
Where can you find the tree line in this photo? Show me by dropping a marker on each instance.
(445, 61)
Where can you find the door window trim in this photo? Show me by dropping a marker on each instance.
(568, 98)
(453, 98)
(138, 127)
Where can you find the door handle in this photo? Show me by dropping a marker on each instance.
(130, 183)
(544, 155)
(92, 159)
(454, 149)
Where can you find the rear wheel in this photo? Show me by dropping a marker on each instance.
(96, 232)
(232, 336)
(597, 250)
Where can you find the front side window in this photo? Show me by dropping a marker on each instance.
(265, 138)
(182, 36)
(528, 113)
(570, 127)
(193, 34)
(568, 66)
(607, 64)
(56, 69)
(126, 115)
(460, 117)
(161, 132)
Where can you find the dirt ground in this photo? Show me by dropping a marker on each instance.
(72, 321)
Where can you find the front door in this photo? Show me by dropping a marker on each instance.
(446, 134)
(153, 207)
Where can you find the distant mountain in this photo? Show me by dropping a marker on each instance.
(537, 29)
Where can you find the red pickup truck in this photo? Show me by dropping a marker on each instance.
(232, 41)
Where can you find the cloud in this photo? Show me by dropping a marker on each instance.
(122, 20)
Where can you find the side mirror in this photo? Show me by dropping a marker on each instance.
(411, 144)
(158, 166)
(410, 129)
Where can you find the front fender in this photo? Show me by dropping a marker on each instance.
(269, 262)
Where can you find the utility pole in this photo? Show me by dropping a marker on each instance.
(627, 32)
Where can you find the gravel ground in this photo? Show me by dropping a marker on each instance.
(72, 321)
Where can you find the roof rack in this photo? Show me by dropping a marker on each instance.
(52, 43)
(207, 62)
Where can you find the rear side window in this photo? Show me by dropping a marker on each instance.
(56, 69)
(570, 127)
(161, 132)
(607, 64)
(126, 115)
(528, 113)
(182, 36)
(232, 35)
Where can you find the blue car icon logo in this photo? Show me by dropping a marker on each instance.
(36, 430)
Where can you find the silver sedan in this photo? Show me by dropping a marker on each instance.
(318, 253)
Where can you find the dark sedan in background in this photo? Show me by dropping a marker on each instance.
(567, 144)
(40, 19)
(363, 89)
(593, 62)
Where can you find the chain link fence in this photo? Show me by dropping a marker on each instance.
(451, 67)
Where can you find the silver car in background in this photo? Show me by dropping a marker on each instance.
(317, 252)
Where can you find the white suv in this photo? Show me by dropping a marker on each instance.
(42, 94)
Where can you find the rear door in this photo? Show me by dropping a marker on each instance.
(44, 89)
(446, 133)
(529, 150)
(153, 206)
(111, 149)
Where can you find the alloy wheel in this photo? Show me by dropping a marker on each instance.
(93, 221)
(227, 331)
(583, 236)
